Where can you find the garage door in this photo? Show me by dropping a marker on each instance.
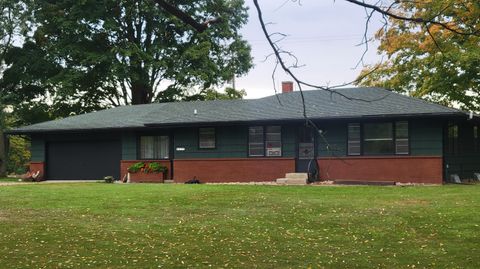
(83, 159)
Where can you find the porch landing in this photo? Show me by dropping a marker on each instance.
(293, 179)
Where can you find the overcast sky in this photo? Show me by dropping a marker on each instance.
(323, 34)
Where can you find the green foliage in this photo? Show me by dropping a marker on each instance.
(211, 94)
(155, 167)
(429, 61)
(87, 55)
(136, 167)
(13, 23)
(19, 155)
(152, 167)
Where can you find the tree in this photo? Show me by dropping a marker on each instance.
(92, 54)
(12, 24)
(440, 64)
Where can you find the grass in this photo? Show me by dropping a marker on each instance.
(231, 226)
(8, 179)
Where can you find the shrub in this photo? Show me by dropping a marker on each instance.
(156, 168)
(18, 155)
(136, 167)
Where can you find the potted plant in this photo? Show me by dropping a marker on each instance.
(147, 172)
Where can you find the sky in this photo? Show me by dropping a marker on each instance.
(323, 34)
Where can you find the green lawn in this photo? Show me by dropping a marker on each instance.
(230, 226)
(8, 179)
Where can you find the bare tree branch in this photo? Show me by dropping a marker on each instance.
(187, 19)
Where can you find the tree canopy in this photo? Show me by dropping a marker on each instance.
(431, 61)
(86, 55)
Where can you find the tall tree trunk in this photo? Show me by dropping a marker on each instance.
(140, 93)
(141, 90)
(3, 154)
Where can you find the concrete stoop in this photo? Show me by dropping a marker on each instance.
(294, 179)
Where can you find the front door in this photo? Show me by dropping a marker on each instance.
(306, 149)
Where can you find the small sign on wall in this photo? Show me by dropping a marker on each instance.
(180, 149)
(274, 152)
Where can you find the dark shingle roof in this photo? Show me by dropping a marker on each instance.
(361, 102)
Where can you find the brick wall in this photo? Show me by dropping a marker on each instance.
(38, 166)
(232, 170)
(399, 169)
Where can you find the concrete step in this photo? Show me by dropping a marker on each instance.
(297, 175)
(296, 181)
(292, 181)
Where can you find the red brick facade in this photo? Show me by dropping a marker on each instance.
(405, 169)
(145, 177)
(38, 166)
(232, 170)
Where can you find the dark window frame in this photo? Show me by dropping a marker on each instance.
(476, 138)
(139, 145)
(360, 126)
(453, 141)
(214, 138)
(394, 138)
(264, 140)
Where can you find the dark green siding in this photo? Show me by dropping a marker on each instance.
(39, 143)
(333, 140)
(129, 146)
(231, 142)
(426, 137)
(37, 149)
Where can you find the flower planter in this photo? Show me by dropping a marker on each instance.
(147, 177)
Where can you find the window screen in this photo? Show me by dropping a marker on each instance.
(273, 141)
(206, 138)
(255, 141)
(354, 139)
(401, 137)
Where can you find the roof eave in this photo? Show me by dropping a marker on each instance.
(456, 115)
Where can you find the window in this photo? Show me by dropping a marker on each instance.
(206, 138)
(401, 137)
(154, 147)
(255, 141)
(476, 138)
(354, 139)
(378, 138)
(306, 143)
(264, 141)
(452, 146)
(273, 141)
